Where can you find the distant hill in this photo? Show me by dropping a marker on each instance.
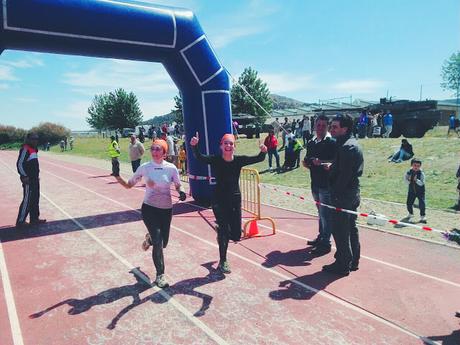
(279, 103)
(452, 100)
(282, 102)
(159, 120)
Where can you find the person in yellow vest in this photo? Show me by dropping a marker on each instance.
(183, 159)
(114, 153)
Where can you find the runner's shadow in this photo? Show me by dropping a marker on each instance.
(78, 306)
(449, 339)
(313, 283)
(184, 287)
(297, 257)
(62, 226)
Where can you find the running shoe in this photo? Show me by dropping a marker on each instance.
(147, 243)
(224, 267)
(161, 282)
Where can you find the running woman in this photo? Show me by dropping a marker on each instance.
(157, 206)
(226, 202)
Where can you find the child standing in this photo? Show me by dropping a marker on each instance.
(183, 159)
(415, 178)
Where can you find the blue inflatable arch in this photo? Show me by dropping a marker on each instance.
(134, 31)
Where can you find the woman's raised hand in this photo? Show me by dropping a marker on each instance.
(262, 147)
(194, 141)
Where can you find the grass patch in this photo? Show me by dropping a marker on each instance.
(381, 180)
(10, 146)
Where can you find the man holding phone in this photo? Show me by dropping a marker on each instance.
(320, 153)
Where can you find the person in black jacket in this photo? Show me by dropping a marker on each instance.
(28, 169)
(346, 169)
(226, 202)
(320, 153)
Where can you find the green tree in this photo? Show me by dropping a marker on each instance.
(115, 110)
(177, 111)
(450, 73)
(250, 83)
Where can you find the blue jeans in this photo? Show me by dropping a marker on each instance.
(401, 155)
(323, 195)
(273, 152)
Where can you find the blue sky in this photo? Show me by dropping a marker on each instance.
(305, 49)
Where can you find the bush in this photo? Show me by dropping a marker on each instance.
(50, 132)
(10, 134)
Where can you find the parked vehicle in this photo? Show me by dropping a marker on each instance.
(412, 119)
(127, 132)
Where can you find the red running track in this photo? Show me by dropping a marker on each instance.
(81, 278)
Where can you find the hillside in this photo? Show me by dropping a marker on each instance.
(282, 102)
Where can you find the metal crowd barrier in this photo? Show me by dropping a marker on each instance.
(250, 197)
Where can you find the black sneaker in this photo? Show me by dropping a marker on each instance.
(321, 250)
(457, 314)
(314, 242)
(336, 269)
(354, 266)
(224, 267)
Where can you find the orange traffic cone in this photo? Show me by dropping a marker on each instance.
(253, 229)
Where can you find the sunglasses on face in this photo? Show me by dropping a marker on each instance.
(156, 148)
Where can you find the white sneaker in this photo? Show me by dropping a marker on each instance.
(409, 217)
(423, 219)
(270, 169)
(160, 281)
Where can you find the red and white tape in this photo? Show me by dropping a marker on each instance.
(359, 214)
(200, 178)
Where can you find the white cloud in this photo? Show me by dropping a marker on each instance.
(6, 73)
(224, 37)
(25, 99)
(358, 86)
(4, 86)
(74, 110)
(287, 82)
(24, 63)
(139, 77)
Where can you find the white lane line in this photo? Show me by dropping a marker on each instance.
(324, 294)
(10, 305)
(165, 295)
(385, 263)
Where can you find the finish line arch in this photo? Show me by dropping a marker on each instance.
(134, 31)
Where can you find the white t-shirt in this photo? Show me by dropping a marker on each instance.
(170, 142)
(162, 175)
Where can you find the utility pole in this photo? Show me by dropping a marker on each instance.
(421, 88)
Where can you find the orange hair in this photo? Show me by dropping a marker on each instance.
(227, 136)
(162, 143)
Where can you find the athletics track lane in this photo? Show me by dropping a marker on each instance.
(305, 322)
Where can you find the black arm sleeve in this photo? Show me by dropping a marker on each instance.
(248, 160)
(202, 158)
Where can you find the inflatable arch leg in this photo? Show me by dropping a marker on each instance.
(133, 31)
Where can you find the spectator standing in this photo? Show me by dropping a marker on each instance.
(362, 124)
(320, 153)
(29, 171)
(346, 169)
(276, 127)
(285, 127)
(114, 153)
(235, 129)
(306, 130)
(136, 151)
(415, 178)
(65, 143)
(271, 143)
(457, 207)
(183, 159)
(452, 125)
(388, 124)
(117, 139)
(170, 153)
(62, 145)
(71, 143)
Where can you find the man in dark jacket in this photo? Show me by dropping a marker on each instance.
(320, 153)
(346, 169)
(28, 169)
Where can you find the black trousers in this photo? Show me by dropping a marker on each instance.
(30, 201)
(115, 166)
(158, 222)
(411, 196)
(227, 211)
(345, 232)
(135, 164)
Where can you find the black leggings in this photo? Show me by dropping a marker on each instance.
(157, 221)
(228, 217)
